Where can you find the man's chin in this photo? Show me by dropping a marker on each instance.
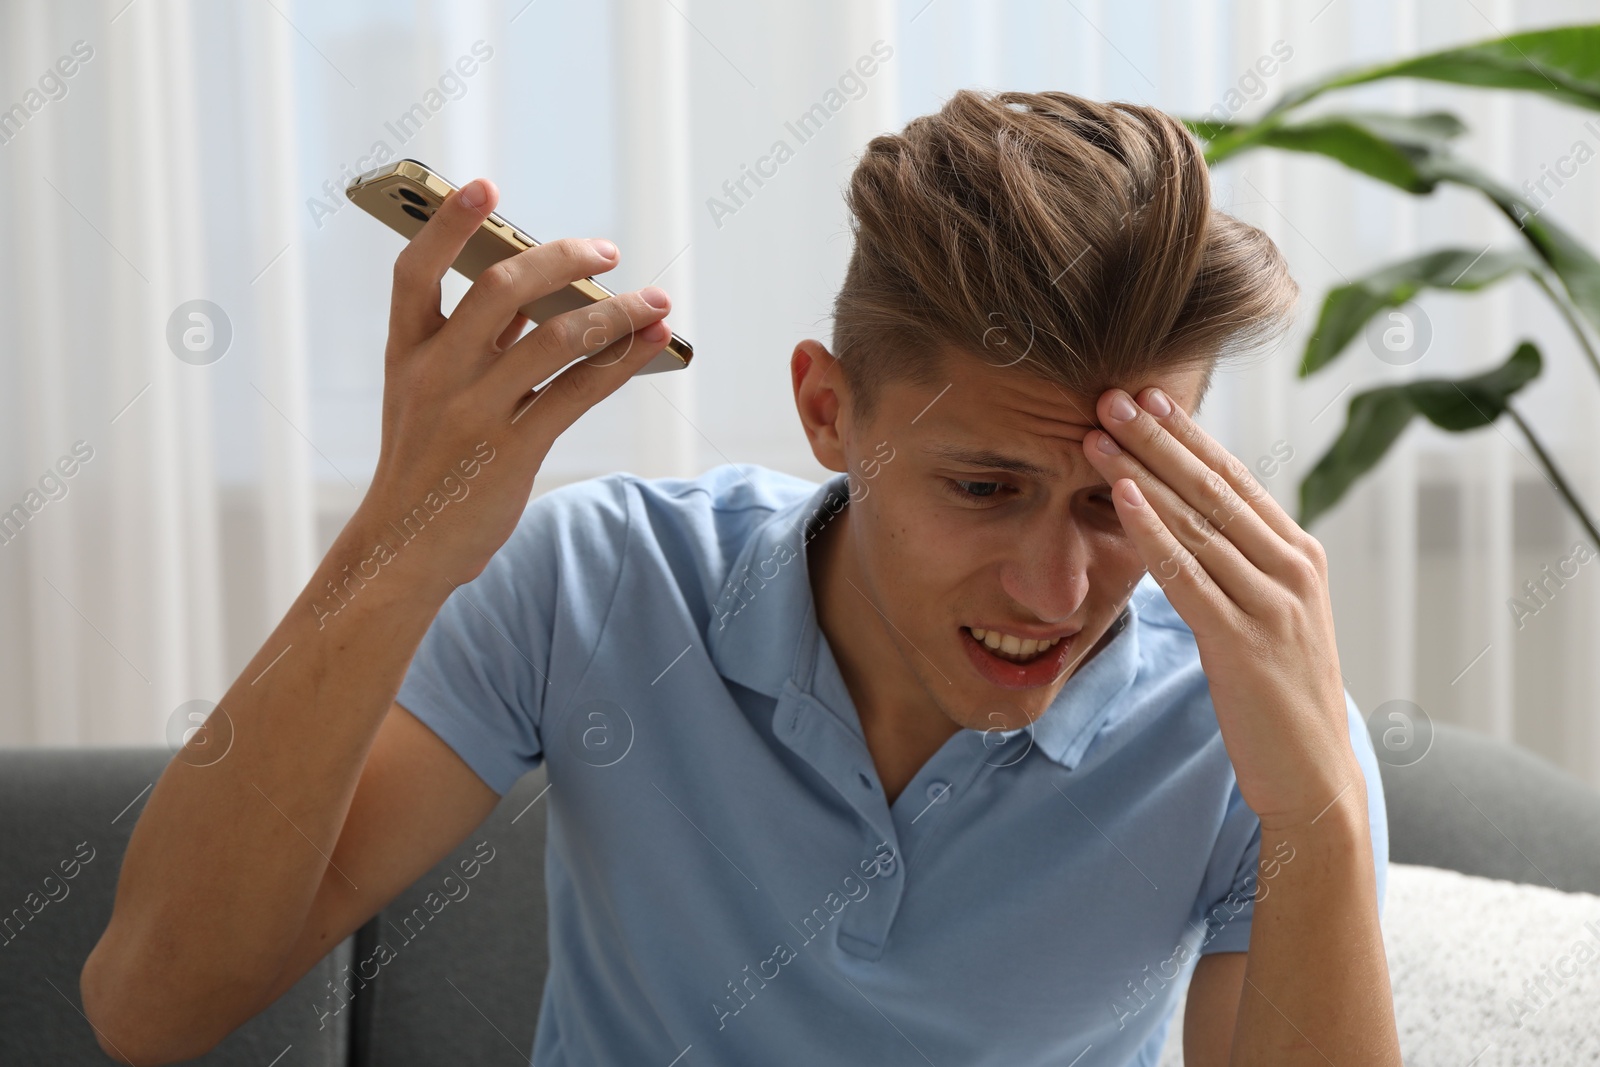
(977, 705)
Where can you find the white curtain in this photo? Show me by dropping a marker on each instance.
(199, 153)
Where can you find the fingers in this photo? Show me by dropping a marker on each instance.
(511, 283)
(1186, 539)
(509, 335)
(1187, 584)
(414, 304)
(558, 404)
(1188, 432)
(1172, 448)
(606, 332)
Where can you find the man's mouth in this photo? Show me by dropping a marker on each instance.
(1011, 661)
(1009, 647)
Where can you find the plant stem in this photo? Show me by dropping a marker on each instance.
(1554, 475)
(1572, 320)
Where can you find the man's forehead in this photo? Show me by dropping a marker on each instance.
(1027, 432)
(1029, 403)
(1035, 394)
(1009, 411)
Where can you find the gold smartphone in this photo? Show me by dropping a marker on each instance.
(405, 194)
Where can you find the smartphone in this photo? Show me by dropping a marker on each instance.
(405, 194)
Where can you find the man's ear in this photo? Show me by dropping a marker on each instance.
(822, 397)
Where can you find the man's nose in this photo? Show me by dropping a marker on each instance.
(1047, 573)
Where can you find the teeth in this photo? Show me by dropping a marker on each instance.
(1009, 645)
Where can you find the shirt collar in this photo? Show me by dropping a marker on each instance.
(765, 607)
(763, 630)
(1090, 695)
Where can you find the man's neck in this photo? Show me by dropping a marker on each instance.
(902, 725)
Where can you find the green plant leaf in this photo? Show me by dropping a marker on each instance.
(1562, 63)
(1374, 422)
(1567, 256)
(1413, 153)
(1376, 419)
(1391, 148)
(1357, 148)
(1474, 402)
(1347, 309)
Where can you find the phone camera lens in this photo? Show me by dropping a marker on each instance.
(413, 197)
(414, 213)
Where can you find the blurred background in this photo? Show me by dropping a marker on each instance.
(195, 160)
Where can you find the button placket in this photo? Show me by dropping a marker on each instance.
(864, 926)
(816, 735)
(865, 932)
(934, 789)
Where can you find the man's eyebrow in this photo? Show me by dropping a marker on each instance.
(983, 457)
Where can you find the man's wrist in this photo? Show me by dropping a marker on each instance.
(1342, 798)
(1333, 847)
(373, 567)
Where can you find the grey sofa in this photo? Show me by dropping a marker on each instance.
(463, 985)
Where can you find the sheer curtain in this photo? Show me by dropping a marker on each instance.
(198, 152)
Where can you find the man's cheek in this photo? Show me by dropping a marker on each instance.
(1118, 567)
(912, 563)
(940, 587)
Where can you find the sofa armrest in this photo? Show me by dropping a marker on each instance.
(1478, 806)
(65, 818)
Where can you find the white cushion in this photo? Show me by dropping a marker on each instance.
(1476, 969)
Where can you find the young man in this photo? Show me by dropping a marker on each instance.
(971, 755)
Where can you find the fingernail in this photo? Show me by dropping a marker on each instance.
(1131, 494)
(1122, 408)
(604, 247)
(1157, 404)
(655, 297)
(1107, 445)
(473, 194)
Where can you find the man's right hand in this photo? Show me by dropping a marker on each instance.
(452, 384)
(242, 872)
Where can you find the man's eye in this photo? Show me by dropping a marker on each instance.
(978, 490)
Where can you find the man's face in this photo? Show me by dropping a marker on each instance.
(987, 528)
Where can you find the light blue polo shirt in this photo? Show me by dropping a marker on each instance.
(726, 881)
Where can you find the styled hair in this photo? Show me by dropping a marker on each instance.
(1072, 239)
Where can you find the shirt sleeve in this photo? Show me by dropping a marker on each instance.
(1226, 916)
(482, 678)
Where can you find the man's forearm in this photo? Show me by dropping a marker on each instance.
(1316, 986)
(228, 855)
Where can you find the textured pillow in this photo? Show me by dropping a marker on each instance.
(1486, 973)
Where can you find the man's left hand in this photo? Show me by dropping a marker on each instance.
(1253, 587)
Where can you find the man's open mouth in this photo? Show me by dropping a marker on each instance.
(1009, 647)
(1011, 661)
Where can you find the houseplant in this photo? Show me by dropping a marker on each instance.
(1414, 153)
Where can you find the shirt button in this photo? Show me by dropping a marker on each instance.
(886, 866)
(938, 792)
